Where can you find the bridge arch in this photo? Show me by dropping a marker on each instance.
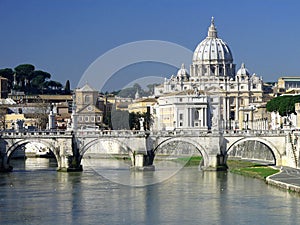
(86, 146)
(199, 147)
(274, 151)
(14, 146)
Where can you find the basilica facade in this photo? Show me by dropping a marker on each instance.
(211, 94)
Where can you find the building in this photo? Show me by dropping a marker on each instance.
(87, 112)
(288, 83)
(182, 110)
(19, 121)
(213, 75)
(140, 105)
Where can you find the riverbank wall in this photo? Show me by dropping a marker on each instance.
(282, 185)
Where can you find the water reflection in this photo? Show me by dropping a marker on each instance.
(33, 163)
(189, 197)
(118, 171)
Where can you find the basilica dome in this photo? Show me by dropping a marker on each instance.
(212, 49)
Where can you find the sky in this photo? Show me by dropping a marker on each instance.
(65, 37)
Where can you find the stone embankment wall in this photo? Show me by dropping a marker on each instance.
(253, 150)
(177, 149)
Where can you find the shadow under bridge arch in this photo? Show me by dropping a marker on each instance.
(253, 148)
(23, 142)
(200, 149)
(106, 147)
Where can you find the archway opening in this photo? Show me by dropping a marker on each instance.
(174, 154)
(32, 156)
(250, 153)
(105, 155)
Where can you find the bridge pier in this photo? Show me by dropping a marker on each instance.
(4, 166)
(216, 163)
(68, 156)
(141, 162)
(69, 163)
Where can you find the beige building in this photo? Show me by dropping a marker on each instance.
(182, 110)
(88, 114)
(11, 121)
(288, 83)
(141, 105)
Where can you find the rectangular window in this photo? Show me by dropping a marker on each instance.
(181, 116)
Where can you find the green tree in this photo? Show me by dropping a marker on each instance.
(8, 74)
(67, 88)
(24, 72)
(51, 84)
(38, 79)
(284, 105)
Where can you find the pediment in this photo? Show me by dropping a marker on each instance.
(214, 90)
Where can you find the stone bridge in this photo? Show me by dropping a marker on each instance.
(70, 147)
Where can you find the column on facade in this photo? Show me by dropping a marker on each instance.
(225, 70)
(217, 70)
(208, 70)
(187, 118)
(200, 116)
(237, 105)
(204, 117)
(225, 111)
(227, 100)
(191, 118)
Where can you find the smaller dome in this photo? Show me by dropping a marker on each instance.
(182, 72)
(243, 71)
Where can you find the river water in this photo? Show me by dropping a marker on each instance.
(108, 193)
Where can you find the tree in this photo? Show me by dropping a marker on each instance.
(38, 79)
(67, 87)
(134, 120)
(8, 74)
(54, 85)
(284, 105)
(23, 72)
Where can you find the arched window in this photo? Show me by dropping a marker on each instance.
(87, 99)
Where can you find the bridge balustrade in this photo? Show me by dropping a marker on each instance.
(253, 132)
(34, 133)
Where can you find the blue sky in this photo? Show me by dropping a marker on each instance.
(63, 37)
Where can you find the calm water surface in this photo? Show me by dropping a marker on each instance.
(36, 194)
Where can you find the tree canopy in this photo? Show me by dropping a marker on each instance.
(32, 81)
(284, 104)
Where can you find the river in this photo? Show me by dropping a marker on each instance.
(108, 193)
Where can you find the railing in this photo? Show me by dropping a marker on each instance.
(253, 132)
(35, 133)
(140, 133)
